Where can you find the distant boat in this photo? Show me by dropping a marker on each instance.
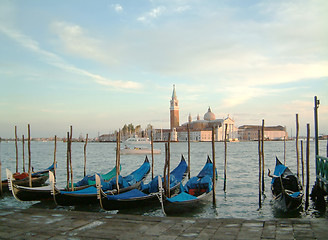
(138, 150)
(136, 140)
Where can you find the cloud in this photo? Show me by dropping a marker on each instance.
(76, 41)
(181, 9)
(117, 7)
(54, 60)
(152, 14)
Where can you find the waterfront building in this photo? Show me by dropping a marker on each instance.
(250, 132)
(200, 129)
(107, 137)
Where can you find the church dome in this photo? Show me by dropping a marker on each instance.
(209, 116)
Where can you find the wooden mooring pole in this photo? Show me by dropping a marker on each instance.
(188, 130)
(214, 168)
(168, 165)
(55, 162)
(262, 155)
(85, 155)
(165, 170)
(307, 166)
(285, 150)
(23, 149)
(260, 168)
(16, 149)
(225, 158)
(302, 162)
(118, 148)
(316, 127)
(297, 150)
(70, 157)
(67, 161)
(152, 153)
(29, 155)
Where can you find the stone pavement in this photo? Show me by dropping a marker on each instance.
(35, 223)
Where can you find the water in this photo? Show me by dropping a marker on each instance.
(239, 201)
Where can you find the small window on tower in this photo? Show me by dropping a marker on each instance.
(176, 104)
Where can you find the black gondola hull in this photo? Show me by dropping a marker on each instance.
(286, 190)
(36, 182)
(172, 208)
(72, 199)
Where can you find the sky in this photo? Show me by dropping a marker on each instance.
(97, 65)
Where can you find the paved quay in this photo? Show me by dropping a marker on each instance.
(35, 223)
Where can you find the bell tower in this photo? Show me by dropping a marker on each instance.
(174, 110)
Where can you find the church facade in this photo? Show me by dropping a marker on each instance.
(199, 129)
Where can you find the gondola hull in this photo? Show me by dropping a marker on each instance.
(197, 192)
(36, 182)
(32, 194)
(284, 202)
(75, 199)
(149, 194)
(150, 200)
(286, 189)
(89, 195)
(172, 208)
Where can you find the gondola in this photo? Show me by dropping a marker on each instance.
(43, 193)
(89, 195)
(38, 179)
(146, 196)
(196, 192)
(286, 188)
(90, 180)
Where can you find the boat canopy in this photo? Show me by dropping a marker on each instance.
(152, 186)
(88, 190)
(207, 169)
(182, 197)
(199, 183)
(91, 179)
(278, 171)
(135, 193)
(180, 170)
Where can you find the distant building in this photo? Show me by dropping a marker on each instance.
(250, 132)
(107, 138)
(200, 130)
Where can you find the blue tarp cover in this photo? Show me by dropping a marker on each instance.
(88, 190)
(181, 197)
(90, 179)
(129, 180)
(199, 183)
(295, 194)
(135, 193)
(176, 176)
(180, 170)
(207, 170)
(112, 183)
(139, 174)
(278, 171)
(51, 168)
(152, 186)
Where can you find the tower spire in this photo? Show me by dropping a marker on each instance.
(174, 94)
(174, 110)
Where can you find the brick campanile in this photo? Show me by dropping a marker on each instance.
(174, 110)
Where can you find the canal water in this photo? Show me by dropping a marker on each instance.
(240, 200)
